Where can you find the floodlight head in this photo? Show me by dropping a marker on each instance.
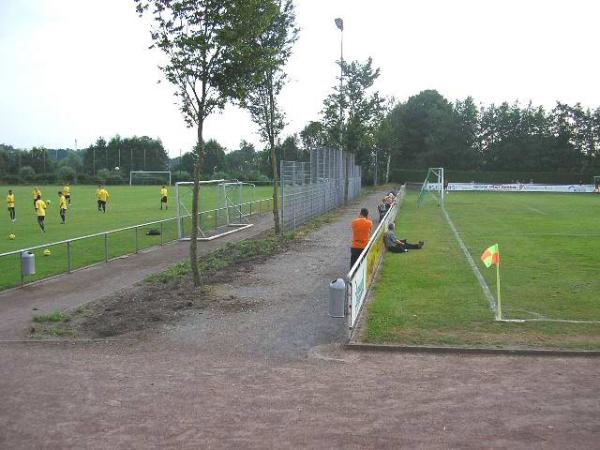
(339, 23)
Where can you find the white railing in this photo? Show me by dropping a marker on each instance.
(360, 278)
(249, 208)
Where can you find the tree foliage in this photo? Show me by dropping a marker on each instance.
(213, 56)
(261, 101)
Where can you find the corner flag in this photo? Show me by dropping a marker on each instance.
(491, 256)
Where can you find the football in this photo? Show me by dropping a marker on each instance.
(48, 202)
(12, 236)
(47, 252)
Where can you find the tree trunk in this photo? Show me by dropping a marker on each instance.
(194, 232)
(275, 190)
(274, 158)
(387, 169)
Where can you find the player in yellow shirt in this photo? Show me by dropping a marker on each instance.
(40, 210)
(67, 191)
(36, 193)
(164, 197)
(10, 201)
(62, 204)
(102, 196)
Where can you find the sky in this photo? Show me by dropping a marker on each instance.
(80, 69)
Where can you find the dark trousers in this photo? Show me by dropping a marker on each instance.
(40, 220)
(101, 206)
(11, 213)
(354, 255)
(63, 215)
(404, 246)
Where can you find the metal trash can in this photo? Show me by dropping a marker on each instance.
(337, 298)
(28, 263)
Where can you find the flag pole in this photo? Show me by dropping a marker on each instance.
(499, 312)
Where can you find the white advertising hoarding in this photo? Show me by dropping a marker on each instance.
(516, 187)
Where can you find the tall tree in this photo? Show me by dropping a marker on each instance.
(213, 56)
(262, 100)
(364, 109)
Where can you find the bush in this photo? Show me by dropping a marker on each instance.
(44, 178)
(102, 175)
(66, 174)
(27, 173)
(183, 176)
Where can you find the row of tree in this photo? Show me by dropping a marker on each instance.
(101, 162)
(427, 130)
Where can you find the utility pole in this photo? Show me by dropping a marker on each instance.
(340, 24)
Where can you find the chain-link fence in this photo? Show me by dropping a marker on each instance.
(309, 189)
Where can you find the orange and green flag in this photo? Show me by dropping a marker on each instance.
(491, 256)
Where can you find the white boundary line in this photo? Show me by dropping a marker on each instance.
(486, 289)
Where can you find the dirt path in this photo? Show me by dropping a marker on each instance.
(262, 371)
(80, 287)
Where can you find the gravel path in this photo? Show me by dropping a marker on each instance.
(264, 371)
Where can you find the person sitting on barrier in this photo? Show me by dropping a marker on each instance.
(361, 230)
(382, 208)
(395, 245)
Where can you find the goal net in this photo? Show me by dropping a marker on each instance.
(149, 177)
(433, 184)
(223, 208)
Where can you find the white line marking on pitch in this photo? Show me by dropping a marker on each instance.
(539, 211)
(486, 289)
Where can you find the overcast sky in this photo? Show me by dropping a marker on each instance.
(80, 69)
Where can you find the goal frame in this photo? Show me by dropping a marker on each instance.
(433, 172)
(233, 227)
(132, 172)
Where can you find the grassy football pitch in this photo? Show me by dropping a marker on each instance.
(550, 271)
(127, 206)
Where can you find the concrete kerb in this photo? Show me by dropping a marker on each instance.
(510, 351)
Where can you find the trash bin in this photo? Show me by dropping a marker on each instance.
(28, 263)
(337, 298)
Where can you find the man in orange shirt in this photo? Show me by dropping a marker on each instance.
(361, 230)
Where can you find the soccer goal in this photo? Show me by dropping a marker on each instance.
(596, 182)
(223, 208)
(434, 183)
(150, 177)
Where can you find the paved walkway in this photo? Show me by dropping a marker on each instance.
(17, 306)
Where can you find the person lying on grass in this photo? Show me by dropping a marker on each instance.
(395, 245)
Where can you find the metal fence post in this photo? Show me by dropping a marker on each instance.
(105, 247)
(136, 239)
(161, 233)
(20, 256)
(69, 263)
(217, 217)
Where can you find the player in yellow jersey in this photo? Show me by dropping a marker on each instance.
(10, 201)
(62, 204)
(164, 197)
(67, 192)
(35, 194)
(40, 210)
(102, 196)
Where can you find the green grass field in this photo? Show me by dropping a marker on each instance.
(550, 261)
(127, 206)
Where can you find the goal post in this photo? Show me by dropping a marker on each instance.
(156, 177)
(221, 208)
(434, 182)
